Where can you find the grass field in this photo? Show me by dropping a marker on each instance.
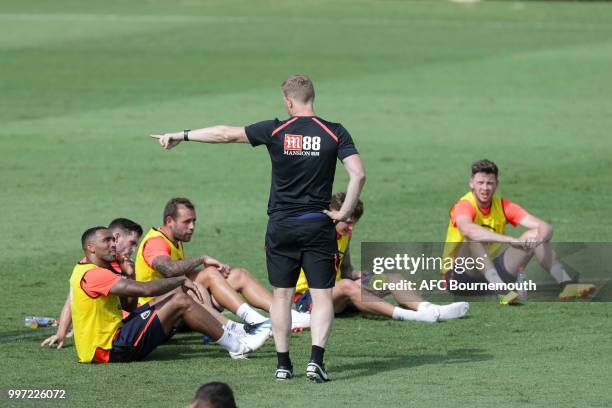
(425, 87)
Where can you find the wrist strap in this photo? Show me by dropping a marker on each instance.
(186, 134)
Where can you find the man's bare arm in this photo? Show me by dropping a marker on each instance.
(346, 268)
(127, 268)
(475, 232)
(128, 287)
(169, 268)
(213, 134)
(357, 178)
(544, 229)
(63, 326)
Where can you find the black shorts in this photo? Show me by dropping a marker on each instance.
(140, 333)
(293, 244)
(503, 273)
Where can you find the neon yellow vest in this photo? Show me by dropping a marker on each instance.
(144, 271)
(95, 320)
(495, 221)
(343, 242)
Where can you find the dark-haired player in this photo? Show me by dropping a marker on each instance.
(98, 292)
(127, 233)
(477, 228)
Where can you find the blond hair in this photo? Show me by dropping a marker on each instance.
(299, 88)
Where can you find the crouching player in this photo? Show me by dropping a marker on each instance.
(350, 291)
(477, 229)
(100, 333)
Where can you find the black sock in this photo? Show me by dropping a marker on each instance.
(316, 355)
(284, 360)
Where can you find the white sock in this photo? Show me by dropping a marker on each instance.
(426, 314)
(229, 341)
(454, 310)
(235, 327)
(423, 305)
(250, 315)
(557, 271)
(492, 276)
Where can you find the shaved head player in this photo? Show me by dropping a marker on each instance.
(301, 234)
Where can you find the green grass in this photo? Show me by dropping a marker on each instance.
(424, 87)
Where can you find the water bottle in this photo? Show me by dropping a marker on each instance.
(35, 322)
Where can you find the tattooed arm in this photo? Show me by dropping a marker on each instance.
(168, 268)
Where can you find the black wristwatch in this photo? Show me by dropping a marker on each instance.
(186, 134)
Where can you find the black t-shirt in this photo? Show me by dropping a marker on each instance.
(303, 150)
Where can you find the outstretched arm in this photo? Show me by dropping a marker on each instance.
(158, 287)
(357, 178)
(213, 134)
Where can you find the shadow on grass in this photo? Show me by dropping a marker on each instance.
(179, 351)
(376, 364)
(187, 346)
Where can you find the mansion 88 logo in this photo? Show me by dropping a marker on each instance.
(299, 145)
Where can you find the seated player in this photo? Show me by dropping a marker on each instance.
(349, 289)
(477, 229)
(98, 294)
(161, 255)
(127, 233)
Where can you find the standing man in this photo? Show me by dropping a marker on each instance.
(301, 232)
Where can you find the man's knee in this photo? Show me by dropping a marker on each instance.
(208, 276)
(283, 294)
(350, 288)
(181, 300)
(237, 277)
(529, 234)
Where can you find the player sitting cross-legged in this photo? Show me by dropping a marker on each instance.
(349, 289)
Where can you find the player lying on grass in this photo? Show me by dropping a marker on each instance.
(99, 293)
(477, 229)
(161, 255)
(349, 289)
(127, 233)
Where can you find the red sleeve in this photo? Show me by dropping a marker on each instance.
(98, 281)
(514, 212)
(153, 248)
(463, 207)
